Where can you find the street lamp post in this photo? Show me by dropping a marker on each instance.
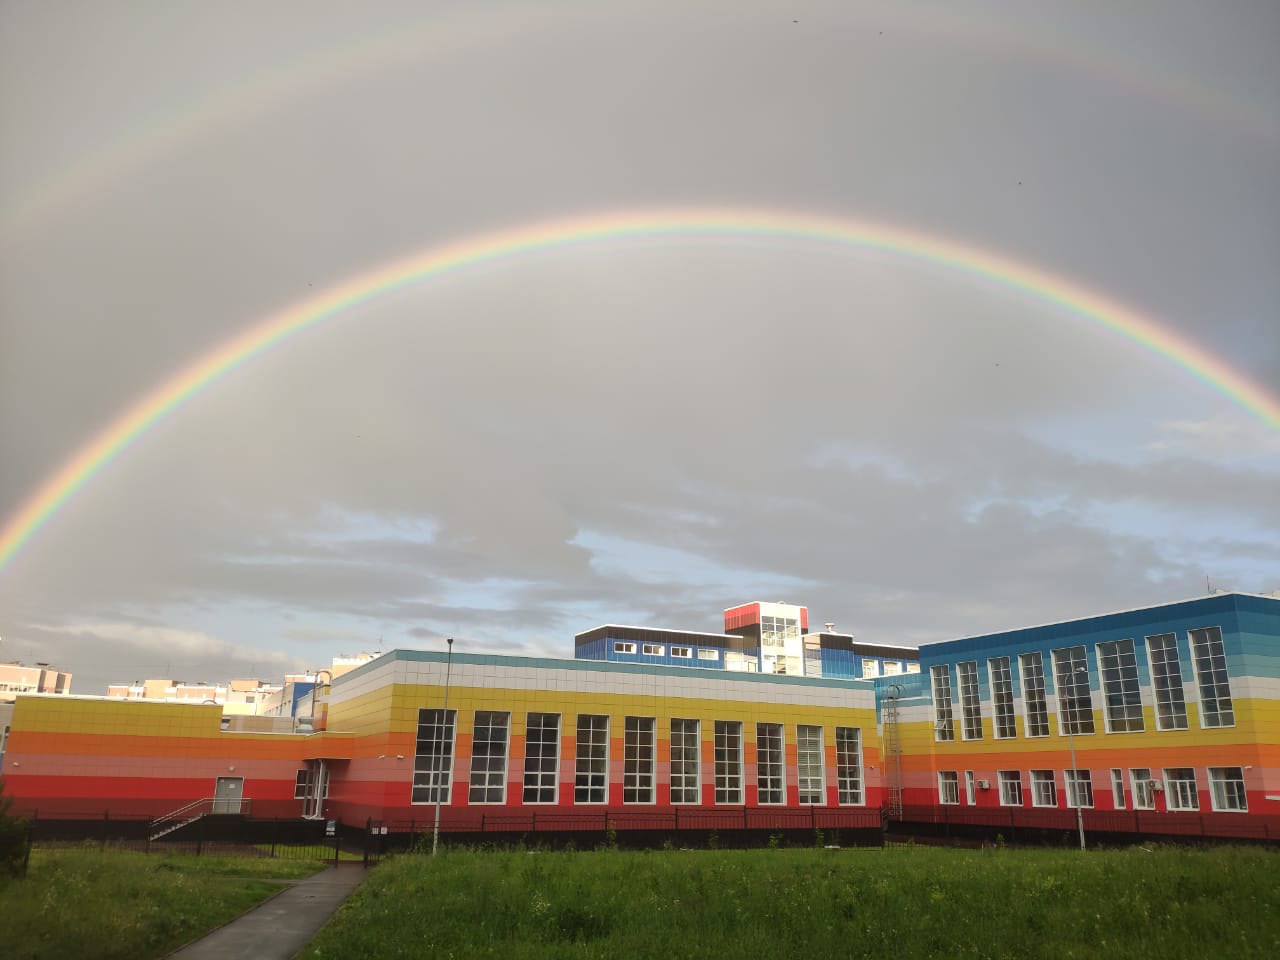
(1075, 773)
(444, 720)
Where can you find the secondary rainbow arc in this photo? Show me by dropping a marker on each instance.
(1104, 312)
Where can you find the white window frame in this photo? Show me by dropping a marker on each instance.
(970, 700)
(696, 763)
(1177, 694)
(505, 757)
(624, 646)
(537, 775)
(944, 724)
(1212, 685)
(682, 653)
(805, 780)
(1142, 787)
(1072, 677)
(850, 779)
(705, 654)
(733, 795)
(1008, 779)
(653, 650)
(578, 761)
(1035, 695)
(948, 788)
(1118, 692)
(1176, 792)
(639, 781)
(1004, 716)
(970, 788)
(1072, 780)
(1038, 779)
(780, 767)
(1117, 788)
(1221, 788)
(449, 721)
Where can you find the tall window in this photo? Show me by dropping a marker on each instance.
(541, 757)
(1079, 788)
(849, 764)
(728, 761)
(809, 764)
(1117, 788)
(943, 727)
(970, 703)
(1033, 697)
(433, 757)
(1002, 697)
(1226, 788)
(1166, 680)
(1180, 789)
(1118, 662)
(1143, 788)
(1211, 668)
(1044, 791)
(948, 786)
(770, 763)
(1075, 705)
(970, 788)
(685, 761)
(1010, 787)
(489, 757)
(637, 760)
(591, 774)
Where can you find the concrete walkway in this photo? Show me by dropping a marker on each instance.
(284, 924)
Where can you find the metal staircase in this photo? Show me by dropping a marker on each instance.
(892, 753)
(175, 820)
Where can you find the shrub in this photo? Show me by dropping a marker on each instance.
(13, 837)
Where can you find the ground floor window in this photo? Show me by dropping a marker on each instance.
(489, 757)
(728, 749)
(685, 761)
(809, 764)
(1143, 788)
(948, 786)
(1010, 787)
(1117, 789)
(849, 764)
(541, 757)
(1044, 790)
(637, 760)
(1079, 788)
(770, 764)
(433, 757)
(1180, 789)
(591, 771)
(1226, 788)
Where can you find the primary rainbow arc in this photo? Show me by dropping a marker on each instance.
(974, 261)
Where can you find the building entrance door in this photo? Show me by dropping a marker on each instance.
(227, 794)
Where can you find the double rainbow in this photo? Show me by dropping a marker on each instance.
(973, 261)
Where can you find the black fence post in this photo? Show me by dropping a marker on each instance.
(677, 819)
(368, 834)
(199, 836)
(26, 854)
(106, 823)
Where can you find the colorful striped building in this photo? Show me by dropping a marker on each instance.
(1172, 713)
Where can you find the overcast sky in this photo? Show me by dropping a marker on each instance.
(638, 432)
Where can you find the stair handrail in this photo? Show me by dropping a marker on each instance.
(175, 814)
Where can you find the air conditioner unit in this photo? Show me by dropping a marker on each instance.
(1157, 786)
(984, 784)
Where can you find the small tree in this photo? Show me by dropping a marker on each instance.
(13, 837)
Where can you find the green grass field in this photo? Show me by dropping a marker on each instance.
(85, 903)
(897, 902)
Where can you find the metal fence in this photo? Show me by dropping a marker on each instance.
(1009, 821)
